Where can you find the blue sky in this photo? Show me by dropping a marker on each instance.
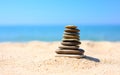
(59, 12)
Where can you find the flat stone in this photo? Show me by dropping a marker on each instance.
(69, 47)
(70, 56)
(71, 26)
(71, 37)
(70, 33)
(70, 43)
(72, 30)
(70, 40)
(69, 52)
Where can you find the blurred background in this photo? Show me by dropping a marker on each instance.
(44, 20)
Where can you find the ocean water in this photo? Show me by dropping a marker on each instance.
(50, 33)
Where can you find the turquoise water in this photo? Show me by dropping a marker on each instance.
(25, 33)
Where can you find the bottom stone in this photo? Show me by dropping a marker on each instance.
(79, 52)
(70, 56)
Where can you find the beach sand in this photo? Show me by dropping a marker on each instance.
(38, 58)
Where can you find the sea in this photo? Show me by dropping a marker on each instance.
(51, 33)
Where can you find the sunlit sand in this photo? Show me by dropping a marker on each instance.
(38, 58)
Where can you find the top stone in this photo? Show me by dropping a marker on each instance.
(71, 27)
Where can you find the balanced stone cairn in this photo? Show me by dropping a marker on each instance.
(70, 43)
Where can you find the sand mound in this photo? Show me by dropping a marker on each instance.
(38, 58)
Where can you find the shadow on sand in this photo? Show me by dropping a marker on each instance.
(92, 59)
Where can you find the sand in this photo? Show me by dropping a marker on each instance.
(38, 58)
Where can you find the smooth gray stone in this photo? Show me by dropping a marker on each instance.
(72, 30)
(71, 26)
(69, 52)
(69, 47)
(71, 37)
(70, 43)
(70, 40)
(70, 33)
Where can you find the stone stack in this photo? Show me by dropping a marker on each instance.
(70, 43)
